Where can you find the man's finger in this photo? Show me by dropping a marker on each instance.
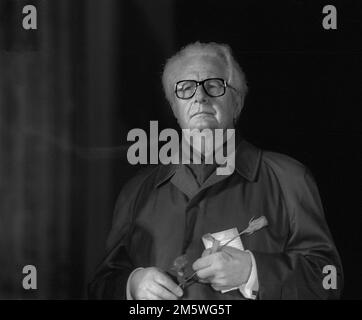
(161, 293)
(205, 273)
(220, 288)
(203, 262)
(203, 280)
(149, 295)
(206, 252)
(167, 282)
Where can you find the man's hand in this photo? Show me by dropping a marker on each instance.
(153, 284)
(224, 269)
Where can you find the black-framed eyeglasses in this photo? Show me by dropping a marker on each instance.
(214, 87)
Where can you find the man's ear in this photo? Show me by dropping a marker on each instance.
(239, 101)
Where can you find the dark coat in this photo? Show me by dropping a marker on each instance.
(162, 213)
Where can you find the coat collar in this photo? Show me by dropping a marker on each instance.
(247, 160)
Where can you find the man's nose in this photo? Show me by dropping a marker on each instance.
(200, 94)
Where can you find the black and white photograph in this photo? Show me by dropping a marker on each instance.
(180, 150)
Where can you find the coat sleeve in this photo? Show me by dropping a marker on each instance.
(297, 272)
(111, 276)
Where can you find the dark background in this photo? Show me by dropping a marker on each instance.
(71, 90)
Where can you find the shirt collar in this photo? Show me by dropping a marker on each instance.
(247, 160)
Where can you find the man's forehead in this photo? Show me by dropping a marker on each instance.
(199, 65)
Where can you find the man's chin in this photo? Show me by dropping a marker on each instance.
(201, 124)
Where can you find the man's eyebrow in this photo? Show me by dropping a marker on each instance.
(208, 76)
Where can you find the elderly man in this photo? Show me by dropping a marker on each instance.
(166, 211)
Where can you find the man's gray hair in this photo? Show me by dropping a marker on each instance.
(223, 51)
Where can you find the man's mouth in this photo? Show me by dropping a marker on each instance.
(203, 114)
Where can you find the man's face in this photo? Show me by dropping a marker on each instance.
(202, 111)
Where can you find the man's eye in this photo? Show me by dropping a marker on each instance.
(213, 88)
(187, 87)
(214, 84)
